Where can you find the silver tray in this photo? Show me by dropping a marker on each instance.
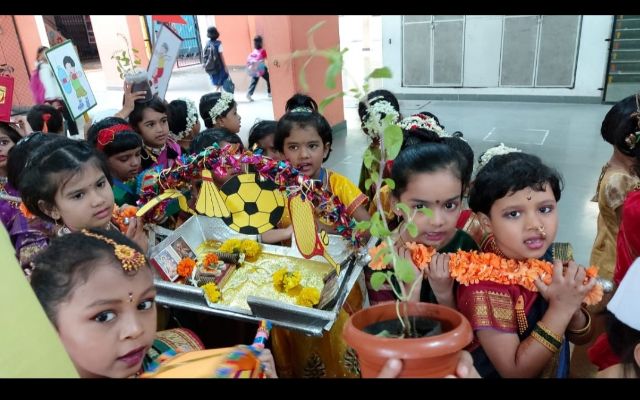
(311, 321)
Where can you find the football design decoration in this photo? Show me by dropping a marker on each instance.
(256, 206)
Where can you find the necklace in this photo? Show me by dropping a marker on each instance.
(13, 201)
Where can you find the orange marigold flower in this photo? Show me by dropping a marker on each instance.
(185, 267)
(420, 254)
(25, 211)
(210, 259)
(595, 295)
(377, 262)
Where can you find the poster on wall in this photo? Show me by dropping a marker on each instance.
(164, 56)
(69, 74)
(6, 97)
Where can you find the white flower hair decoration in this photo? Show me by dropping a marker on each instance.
(192, 117)
(221, 106)
(373, 122)
(422, 121)
(496, 151)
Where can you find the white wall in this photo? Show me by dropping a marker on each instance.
(590, 71)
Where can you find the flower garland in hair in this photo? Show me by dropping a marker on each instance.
(192, 117)
(496, 151)
(374, 117)
(221, 105)
(469, 267)
(422, 121)
(229, 160)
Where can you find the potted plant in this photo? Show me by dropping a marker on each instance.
(128, 63)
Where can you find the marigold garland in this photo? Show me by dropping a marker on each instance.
(231, 246)
(210, 259)
(120, 215)
(186, 266)
(469, 267)
(285, 281)
(308, 297)
(251, 249)
(211, 291)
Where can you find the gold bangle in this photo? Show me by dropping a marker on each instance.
(586, 328)
(550, 346)
(546, 330)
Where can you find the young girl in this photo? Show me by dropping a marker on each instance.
(220, 110)
(184, 123)
(121, 145)
(518, 332)
(261, 136)
(219, 73)
(221, 137)
(45, 118)
(428, 173)
(257, 67)
(150, 121)
(27, 238)
(97, 289)
(67, 182)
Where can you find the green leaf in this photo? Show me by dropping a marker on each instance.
(374, 176)
(315, 27)
(404, 208)
(332, 73)
(426, 211)
(377, 280)
(387, 259)
(368, 158)
(392, 140)
(383, 72)
(302, 77)
(404, 270)
(368, 183)
(135, 50)
(390, 182)
(363, 225)
(137, 62)
(324, 103)
(412, 229)
(124, 53)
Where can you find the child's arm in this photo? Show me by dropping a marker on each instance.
(526, 359)
(136, 233)
(274, 236)
(440, 280)
(130, 98)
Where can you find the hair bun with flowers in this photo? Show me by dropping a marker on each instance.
(192, 117)
(422, 121)
(495, 151)
(221, 105)
(108, 135)
(376, 112)
(302, 109)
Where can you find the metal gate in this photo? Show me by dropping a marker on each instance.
(191, 49)
(78, 29)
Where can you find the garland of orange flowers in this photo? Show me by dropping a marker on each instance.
(469, 267)
(186, 266)
(120, 215)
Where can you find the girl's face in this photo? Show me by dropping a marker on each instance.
(524, 223)
(441, 192)
(83, 201)
(109, 322)
(125, 165)
(266, 143)
(5, 145)
(231, 121)
(154, 128)
(194, 131)
(305, 150)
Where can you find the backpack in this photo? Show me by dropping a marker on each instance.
(212, 60)
(36, 86)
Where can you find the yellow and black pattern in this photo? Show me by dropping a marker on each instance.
(256, 206)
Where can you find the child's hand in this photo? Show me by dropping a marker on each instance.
(437, 272)
(567, 290)
(136, 233)
(266, 358)
(130, 98)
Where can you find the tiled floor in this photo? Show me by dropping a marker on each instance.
(566, 136)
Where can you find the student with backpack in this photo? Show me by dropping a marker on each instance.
(257, 67)
(214, 63)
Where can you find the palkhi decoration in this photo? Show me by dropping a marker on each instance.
(468, 267)
(221, 162)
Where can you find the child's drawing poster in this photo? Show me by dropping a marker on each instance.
(165, 53)
(74, 84)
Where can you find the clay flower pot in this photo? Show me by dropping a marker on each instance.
(425, 357)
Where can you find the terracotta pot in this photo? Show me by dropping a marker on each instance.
(427, 357)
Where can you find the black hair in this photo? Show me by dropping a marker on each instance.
(300, 100)
(10, 131)
(68, 60)
(212, 33)
(156, 104)
(378, 95)
(35, 118)
(432, 115)
(207, 102)
(462, 147)
(52, 165)
(424, 151)
(19, 154)
(508, 173)
(618, 123)
(623, 340)
(178, 110)
(124, 140)
(260, 130)
(69, 261)
(308, 116)
(208, 137)
(40, 50)
(257, 42)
